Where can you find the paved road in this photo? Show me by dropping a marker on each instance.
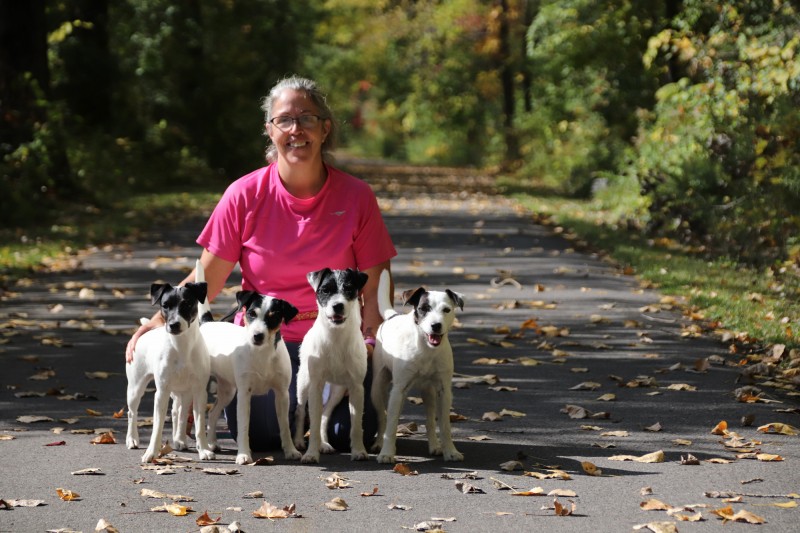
(573, 318)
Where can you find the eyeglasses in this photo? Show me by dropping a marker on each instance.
(285, 123)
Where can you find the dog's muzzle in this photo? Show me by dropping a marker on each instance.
(434, 339)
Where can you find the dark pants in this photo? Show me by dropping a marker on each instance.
(264, 431)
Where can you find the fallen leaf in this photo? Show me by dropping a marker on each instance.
(658, 527)
(727, 514)
(591, 469)
(205, 520)
(256, 494)
(88, 472)
(778, 428)
(149, 493)
(654, 428)
(92, 412)
(552, 474)
(682, 442)
(537, 491)
(768, 457)
(586, 385)
(720, 429)
(615, 434)
(336, 481)
(105, 525)
(479, 438)
(468, 488)
(682, 386)
(221, 471)
(59, 443)
(399, 507)
(563, 510)
(510, 466)
(104, 438)
(97, 375)
(566, 493)
(32, 419)
(654, 505)
(491, 416)
(172, 508)
(655, 457)
(67, 495)
(609, 397)
(373, 493)
(336, 504)
(404, 470)
(25, 503)
(513, 414)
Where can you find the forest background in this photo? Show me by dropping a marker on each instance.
(680, 117)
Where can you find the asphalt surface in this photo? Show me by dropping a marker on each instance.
(529, 298)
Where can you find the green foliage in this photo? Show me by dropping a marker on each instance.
(719, 156)
(589, 82)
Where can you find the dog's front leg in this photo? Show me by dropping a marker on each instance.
(356, 395)
(282, 412)
(432, 401)
(225, 393)
(134, 398)
(315, 422)
(243, 405)
(448, 450)
(160, 404)
(180, 403)
(389, 437)
(200, 398)
(334, 397)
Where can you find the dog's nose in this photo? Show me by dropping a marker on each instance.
(436, 328)
(174, 327)
(258, 338)
(338, 308)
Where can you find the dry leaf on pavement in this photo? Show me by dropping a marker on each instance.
(337, 504)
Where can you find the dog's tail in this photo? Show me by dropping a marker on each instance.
(385, 296)
(203, 307)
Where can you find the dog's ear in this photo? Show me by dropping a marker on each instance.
(243, 299)
(315, 278)
(288, 310)
(198, 290)
(157, 291)
(412, 296)
(459, 301)
(361, 279)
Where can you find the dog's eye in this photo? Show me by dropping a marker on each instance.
(252, 313)
(446, 310)
(425, 308)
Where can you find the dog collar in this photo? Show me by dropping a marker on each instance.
(308, 315)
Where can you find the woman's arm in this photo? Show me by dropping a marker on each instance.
(216, 270)
(371, 315)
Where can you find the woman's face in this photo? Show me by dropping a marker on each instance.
(296, 143)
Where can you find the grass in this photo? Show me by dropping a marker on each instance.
(38, 248)
(759, 305)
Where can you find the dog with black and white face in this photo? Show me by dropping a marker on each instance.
(251, 360)
(413, 350)
(332, 351)
(176, 359)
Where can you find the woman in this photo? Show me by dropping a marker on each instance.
(299, 214)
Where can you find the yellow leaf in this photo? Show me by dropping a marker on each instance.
(67, 495)
(591, 469)
(609, 397)
(682, 386)
(785, 505)
(513, 414)
(654, 505)
(537, 491)
(768, 457)
(92, 412)
(655, 457)
(720, 429)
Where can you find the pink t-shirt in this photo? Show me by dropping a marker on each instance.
(278, 238)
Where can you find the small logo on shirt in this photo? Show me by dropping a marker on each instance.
(338, 213)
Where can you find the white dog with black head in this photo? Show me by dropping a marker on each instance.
(332, 351)
(251, 360)
(176, 358)
(413, 350)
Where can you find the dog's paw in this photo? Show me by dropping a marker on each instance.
(453, 455)
(300, 444)
(180, 445)
(359, 455)
(435, 450)
(243, 459)
(132, 443)
(292, 454)
(385, 458)
(148, 456)
(206, 455)
(326, 448)
(309, 457)
(214, 447)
